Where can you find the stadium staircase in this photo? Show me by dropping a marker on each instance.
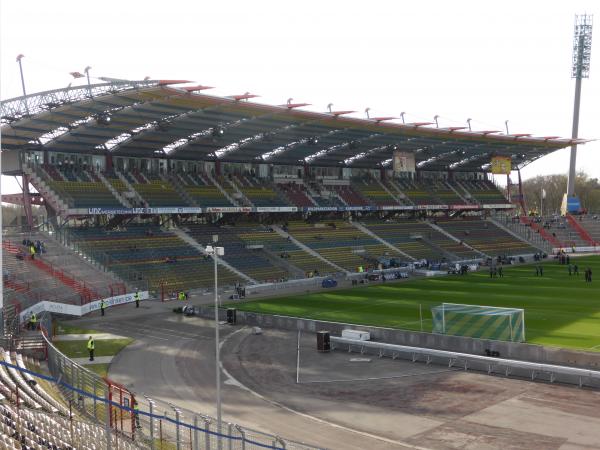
(58, 265)
(460, 195)
(114, 192)
(583, 233)
(438, 249)
(562, 229)
(237, 194)
(390, 193)
(130, 188)
(283, 264)
(306, 248)
(455, 239)
(537, 228)
(50, 196)
(365, 230)
(220, 188)
(520, 236)
(175, 181)
(592, 226)
(486, 237)
(195, 244)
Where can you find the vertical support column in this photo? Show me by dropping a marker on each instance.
(108, 417)
(177, 429)
(108, 162)
(217, 167)
(151, 410)
(522, 194)
(27, 201)
(195, 437)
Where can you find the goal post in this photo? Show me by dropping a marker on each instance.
(483, 322)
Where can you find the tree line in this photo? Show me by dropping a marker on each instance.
(588, 190)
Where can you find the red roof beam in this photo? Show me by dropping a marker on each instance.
(382, 119)
(453, 129)
(295, 105)
(486, 132)
(418, 124)
(167, 82)
(341, 113)
(245, 96)
(197, 88)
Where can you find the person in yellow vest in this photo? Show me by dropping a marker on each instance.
(102, 306)
(33, 321)
(32, 251)
(136, 296)
(91, 346)
(136, 414)
(181, 295)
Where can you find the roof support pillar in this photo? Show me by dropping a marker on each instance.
(108, 162)
(46, 157)
(27, 202)
(217, 167)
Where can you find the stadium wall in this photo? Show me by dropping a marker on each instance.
(513, 350)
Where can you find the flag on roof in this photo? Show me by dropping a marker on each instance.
(76, 74)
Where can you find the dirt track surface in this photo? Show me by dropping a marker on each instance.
(339, 403)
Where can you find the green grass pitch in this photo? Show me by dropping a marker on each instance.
(560, 310)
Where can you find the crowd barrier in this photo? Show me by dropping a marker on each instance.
(154, 424)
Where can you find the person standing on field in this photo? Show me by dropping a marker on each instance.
(91, 346)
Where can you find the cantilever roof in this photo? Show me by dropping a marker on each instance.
(157, 119)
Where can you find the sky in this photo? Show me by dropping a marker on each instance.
(489, 61)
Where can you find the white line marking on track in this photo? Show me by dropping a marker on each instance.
(236, 382)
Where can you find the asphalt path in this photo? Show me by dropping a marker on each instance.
(173, 360)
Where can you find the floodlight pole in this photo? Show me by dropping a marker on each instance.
(217, 350)
(19, 58)
(582, 49)
(87, 73)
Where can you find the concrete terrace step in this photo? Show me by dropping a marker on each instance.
(97, 360)
(84, 337)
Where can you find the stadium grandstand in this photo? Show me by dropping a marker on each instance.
(138, 178)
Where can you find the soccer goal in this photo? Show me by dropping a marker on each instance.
(484, 322)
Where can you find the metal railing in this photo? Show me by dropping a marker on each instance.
(489, 364)
(155, 424)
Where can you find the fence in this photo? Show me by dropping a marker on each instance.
(565, 374)
(154, 424)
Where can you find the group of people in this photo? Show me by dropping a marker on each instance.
(32, 247)
(495, 271)
(240, 290)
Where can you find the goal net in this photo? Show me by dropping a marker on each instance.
(484, 322)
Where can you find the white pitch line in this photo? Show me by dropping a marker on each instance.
(235, 382)
(381, 378)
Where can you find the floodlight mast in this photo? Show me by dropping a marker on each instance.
(582, 50)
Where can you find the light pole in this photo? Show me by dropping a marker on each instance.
(19, 58)
(215, 252)
(87, 73)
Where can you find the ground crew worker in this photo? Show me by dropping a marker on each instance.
(33, 321)
(32, 251)
(136, 414)
(102, 306)
(137, 298)
(91, 346)
(181, 295)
